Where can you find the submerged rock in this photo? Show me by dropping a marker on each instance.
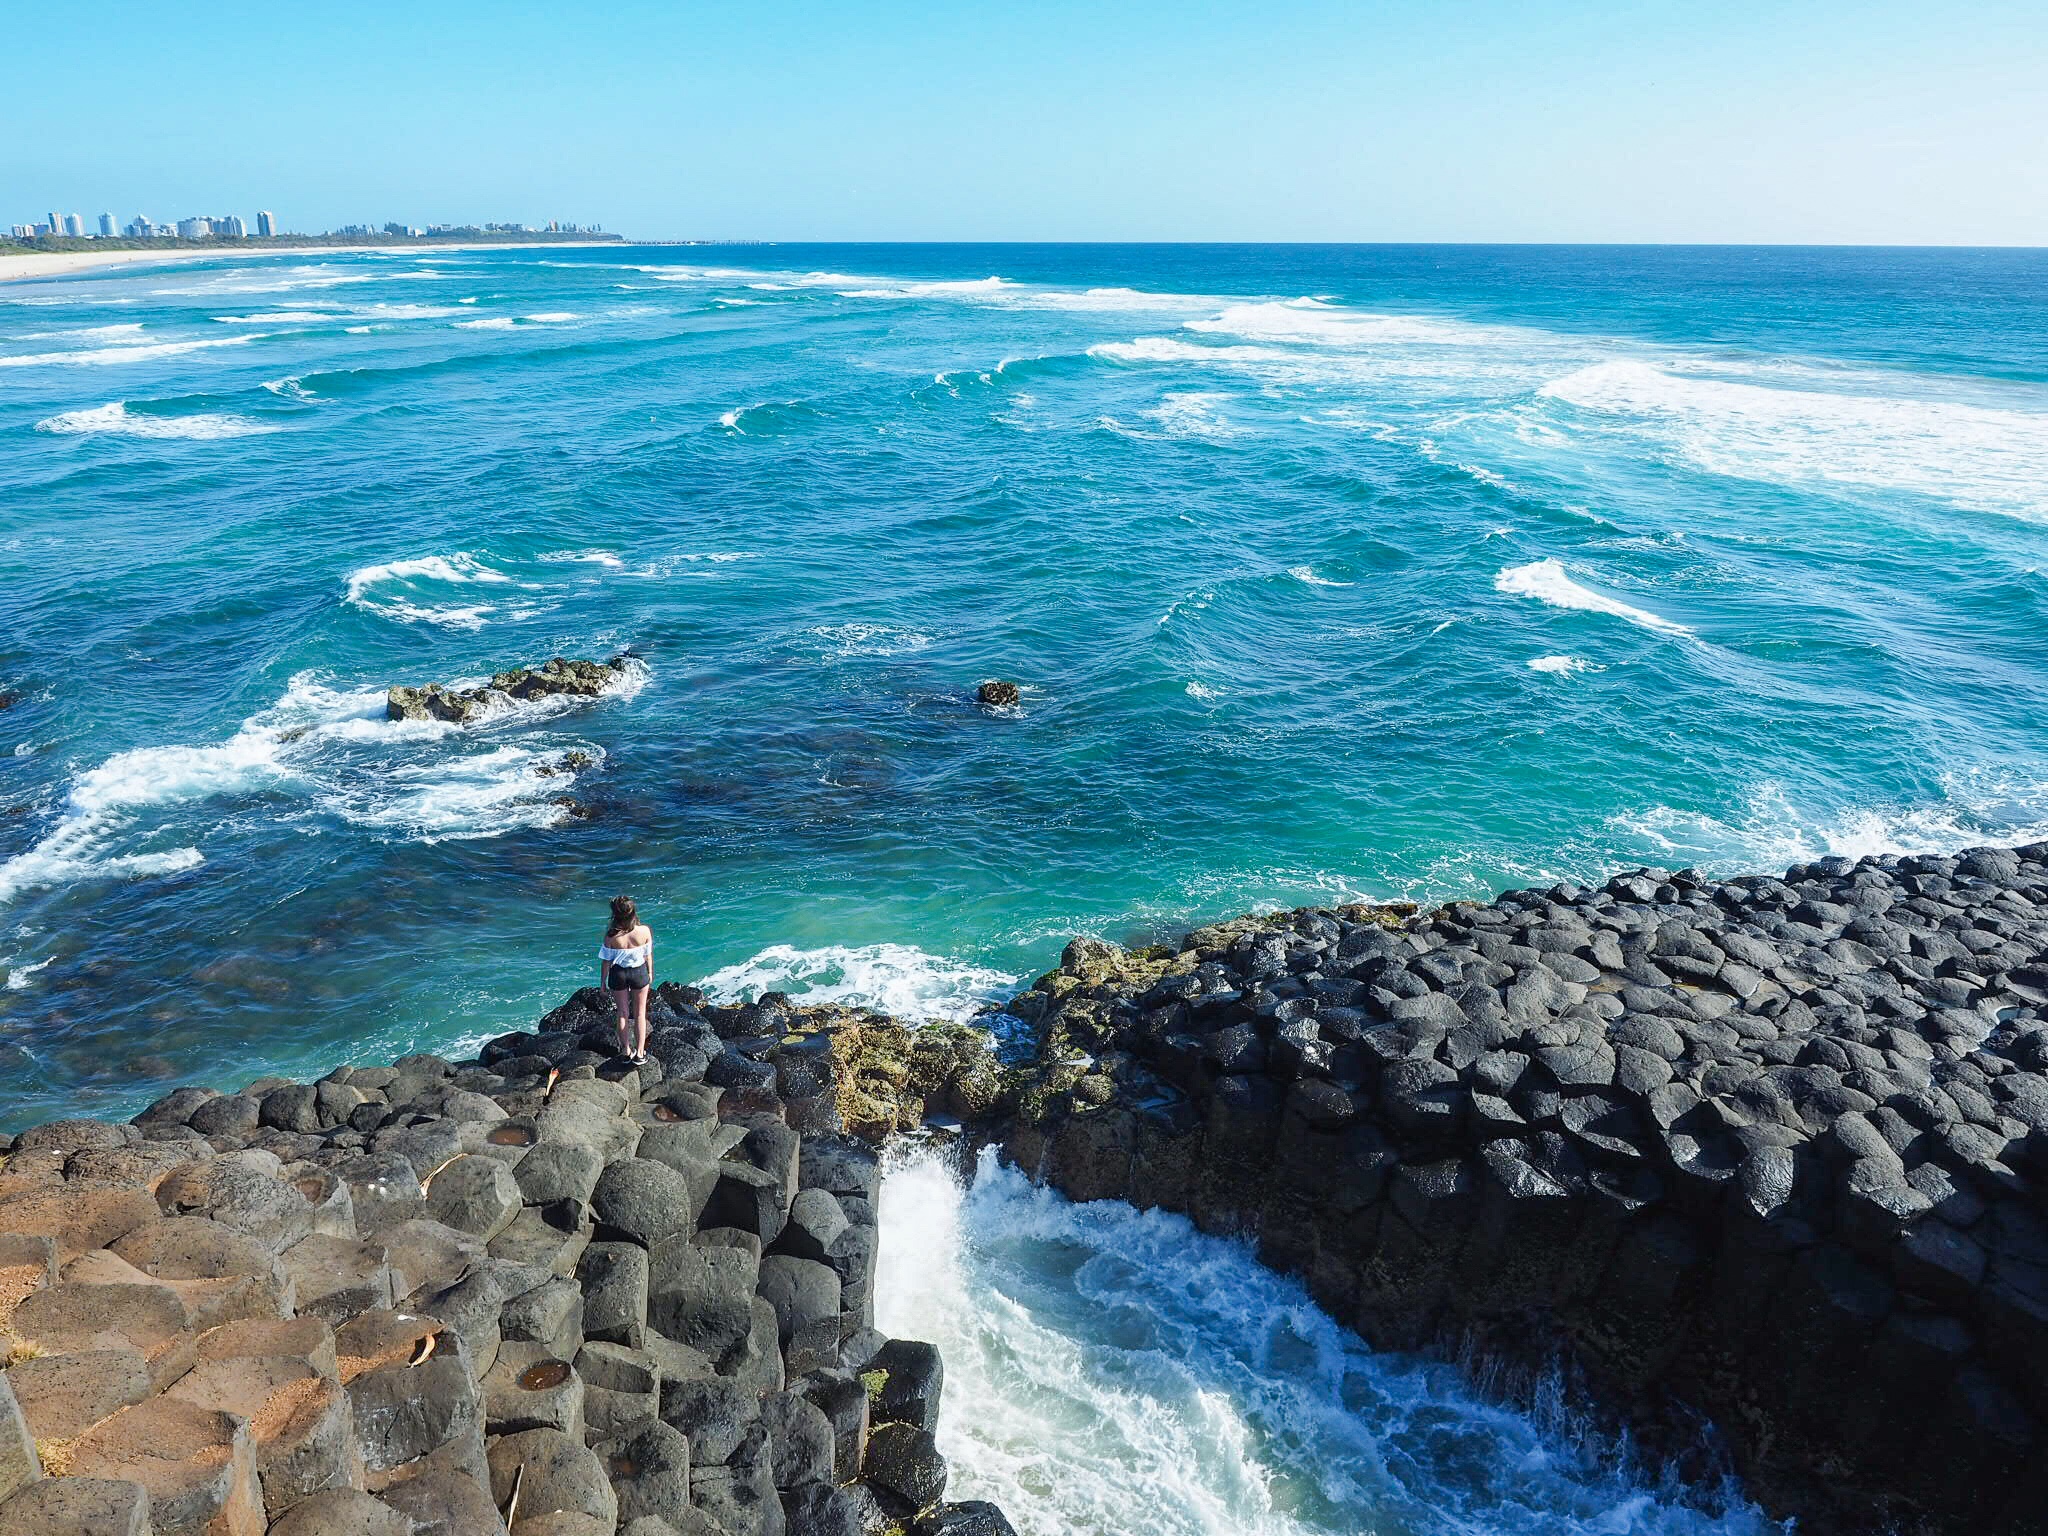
(462, 706)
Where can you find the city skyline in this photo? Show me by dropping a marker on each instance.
(73, 226)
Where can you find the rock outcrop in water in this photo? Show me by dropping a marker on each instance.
(545, 1290)
(462, 706)
(998, 695)
(1772, 1150)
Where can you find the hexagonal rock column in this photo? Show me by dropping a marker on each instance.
(198, 1465)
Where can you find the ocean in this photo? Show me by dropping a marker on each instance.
(1326, 573)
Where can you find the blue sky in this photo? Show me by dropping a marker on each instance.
(1285, 120)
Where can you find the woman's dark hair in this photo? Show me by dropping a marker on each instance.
(625, 916)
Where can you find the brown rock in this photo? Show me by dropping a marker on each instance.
(62, 1396)
(300, 1420)
(198, 1465)
(303, 1338)
(19, 1464)
(77, 1506)
(80, 1218)
(150, 1319)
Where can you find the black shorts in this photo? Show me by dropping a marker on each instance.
(627, 978)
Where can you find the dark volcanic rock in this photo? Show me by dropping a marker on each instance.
(557, 678)
(1771, 1151)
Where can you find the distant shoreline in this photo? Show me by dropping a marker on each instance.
(32, 264)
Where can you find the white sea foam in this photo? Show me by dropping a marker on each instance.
(316, 750)
(282, 317)
(97, 332)
(1319, 323)
(1546, 581)
(326, 314)
(1563, 666)
(1775, 826)
(1203, 692)
(21, 977)
(898, 979)
(115, 419)
(1194, 413)
(1307, 573)
(391, 590)
(491, 323)
(1110, 1372)
(1171, 349)
(581, 557)
(1969, 455)
(871, 639)
(148, 352)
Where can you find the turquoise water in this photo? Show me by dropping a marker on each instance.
(1327, 571)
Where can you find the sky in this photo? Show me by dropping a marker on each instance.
(1312, 120)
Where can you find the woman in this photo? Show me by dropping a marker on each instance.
(625, 968)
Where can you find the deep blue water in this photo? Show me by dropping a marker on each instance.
(1328, 571)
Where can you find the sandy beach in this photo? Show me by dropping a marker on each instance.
(34, 264)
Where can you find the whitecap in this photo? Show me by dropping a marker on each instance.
(19, 977)
(127, 328)
(1971, 455)
(142, 354)
(1546, 581)
(282, 317)
(1774, 826)
(1194, 413)
(581, 557)
(1321, 323)
(1563, 666)
(1307, 573)
(871, 639)
(493, 323)
(115, 419)
(900, 980)
(367, 589)
(316, 748)
(1203, 692)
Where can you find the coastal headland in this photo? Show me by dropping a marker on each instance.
(1768, 1152)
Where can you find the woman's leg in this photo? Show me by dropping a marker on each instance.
(641, 1048)
(623, 1001)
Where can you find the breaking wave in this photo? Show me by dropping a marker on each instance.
(897, 979)
(117, 420)
(1110, 1371)
(1546, 581)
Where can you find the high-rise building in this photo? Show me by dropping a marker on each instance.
(266, 223)
(24, 231)
(139, 228)
(230, 224)
(107, 229)
(74, 226)
(195, 229)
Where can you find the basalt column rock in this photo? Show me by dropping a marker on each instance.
(1771, 1150)
(546, 1292)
